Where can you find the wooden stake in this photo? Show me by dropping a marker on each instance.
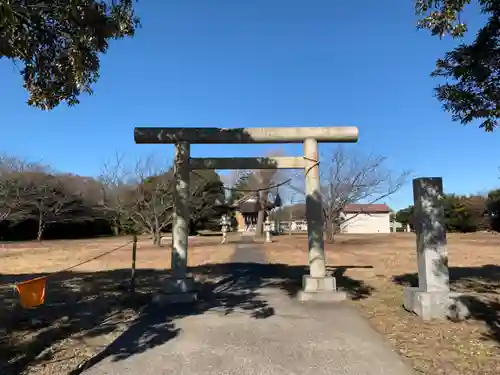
(134, 257)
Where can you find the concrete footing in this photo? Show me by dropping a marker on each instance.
(176, 291)
(435, 305)
(320, 289)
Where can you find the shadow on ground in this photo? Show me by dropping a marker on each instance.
(252, 276)
(480, 287)
(88, 305)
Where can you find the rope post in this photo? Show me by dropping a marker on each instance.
(134, 257)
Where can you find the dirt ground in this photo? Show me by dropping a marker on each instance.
(374, 270)
(89, 306)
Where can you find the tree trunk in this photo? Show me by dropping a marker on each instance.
(193, 224)
(41, 227)
(259, 227)
(115, 229)
(157, 237)
(330, 230)
(156, 232)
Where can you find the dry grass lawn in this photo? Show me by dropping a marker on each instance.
(373, 267)
(89, 306)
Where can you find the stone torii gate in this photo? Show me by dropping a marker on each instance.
(317, 285)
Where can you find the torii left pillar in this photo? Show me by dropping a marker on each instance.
(180, 287)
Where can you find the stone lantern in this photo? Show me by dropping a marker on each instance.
(225, 223)
(267, 229)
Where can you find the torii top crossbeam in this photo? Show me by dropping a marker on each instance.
(143, 135)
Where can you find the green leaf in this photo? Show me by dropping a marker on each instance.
(60, 43)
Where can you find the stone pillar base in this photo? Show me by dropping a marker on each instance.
(434, 305)
(320, 289)
(176, 291)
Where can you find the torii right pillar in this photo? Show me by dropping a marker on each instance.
(316, 286)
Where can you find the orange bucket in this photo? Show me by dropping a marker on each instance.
(32, 292)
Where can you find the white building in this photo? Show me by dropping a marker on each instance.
(366, 218)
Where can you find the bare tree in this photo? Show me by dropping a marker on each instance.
(12, 207)
(44, 198)
(266, 182)
(153, 204)
(141, 195)
(115, 181)
(262, 179)
(352, 177)
(10, 164)
(88, 191)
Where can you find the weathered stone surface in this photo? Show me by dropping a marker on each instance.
(317, 284)
(314, 210)
(180, 229)
(432, 254)
(178, 285)
(432, 299)
(322, 297)
(245, 135)
(270, 162)
(176, 290)
(320, 289)
(435, 305)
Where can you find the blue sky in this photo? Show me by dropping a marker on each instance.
(260, 63)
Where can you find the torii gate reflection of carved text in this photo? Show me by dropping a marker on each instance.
(183, 163)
